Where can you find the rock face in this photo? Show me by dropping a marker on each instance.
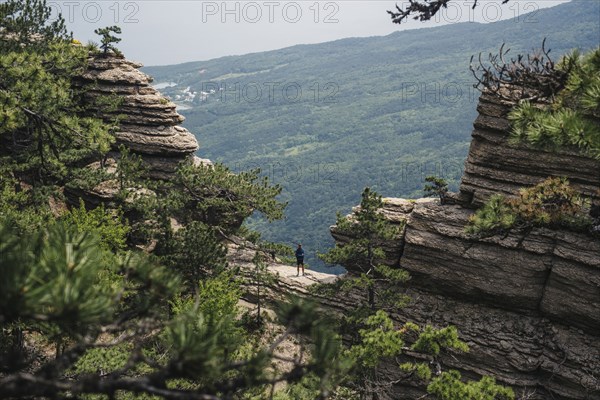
(553, 273)
(528, 305)
(149, 122)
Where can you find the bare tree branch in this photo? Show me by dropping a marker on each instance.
(531, 77)
(423, 10)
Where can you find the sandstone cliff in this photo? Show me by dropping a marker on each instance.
(528, 305)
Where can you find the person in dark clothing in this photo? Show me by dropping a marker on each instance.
(299, 259)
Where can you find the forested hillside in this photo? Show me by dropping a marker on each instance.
(327, 120)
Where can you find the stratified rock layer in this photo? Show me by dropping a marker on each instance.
(554, 273)
(148, 122)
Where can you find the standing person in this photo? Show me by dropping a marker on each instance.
(299, 259)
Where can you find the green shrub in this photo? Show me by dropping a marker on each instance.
(552, 203)
(437, 187)
(572, 118)
(448, 386)
(107, 224)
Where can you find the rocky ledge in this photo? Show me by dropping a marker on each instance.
(241, 254)
(528, 305)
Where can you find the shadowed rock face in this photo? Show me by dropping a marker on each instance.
(528, 304)
(149, 122)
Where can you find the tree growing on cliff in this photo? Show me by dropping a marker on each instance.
(46, 134)
(558, 103)
(367, 231)
(552, 203)
(436, 187)
(109, 39)
(26, 24)
(197, 253)
(261, 277)
(570, 119)
(220, 197)
(130, 170)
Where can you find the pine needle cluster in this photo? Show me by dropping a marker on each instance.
(572, 120)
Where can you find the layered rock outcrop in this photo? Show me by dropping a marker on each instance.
(528, 304)
(496, 166)
(148, 122)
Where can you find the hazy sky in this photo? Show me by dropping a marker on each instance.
(158, 32)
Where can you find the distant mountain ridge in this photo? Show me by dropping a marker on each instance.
(325, 120)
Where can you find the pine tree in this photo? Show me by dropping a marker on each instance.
(130, 170)
(423, 10)
(109, 39)
(122, 323)
(45, 132)
(26, 25)
(436, 187)
(367, 230)
(571, 118)
(448, 386)
(199, 252)
(552, 203)
(223, 198)
(261, 277)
